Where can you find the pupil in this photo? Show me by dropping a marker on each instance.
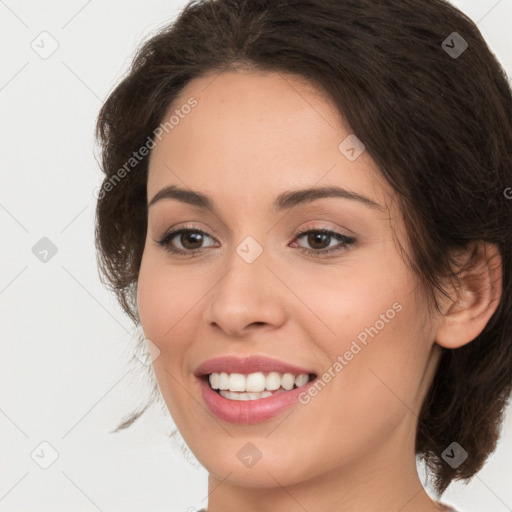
(313, 238)
(188, 236)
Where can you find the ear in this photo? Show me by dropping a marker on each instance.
(474, 299)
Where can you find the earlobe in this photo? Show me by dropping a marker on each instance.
(474, 300)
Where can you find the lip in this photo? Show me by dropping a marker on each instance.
(247, 365)
(250, 411)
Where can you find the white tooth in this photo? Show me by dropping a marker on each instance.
(232, 395)
(214, 380)
(288, 381)
(273, 381)
(237, 382)
(301, 379)
(224, 380)
(229, 395)
(255, 382)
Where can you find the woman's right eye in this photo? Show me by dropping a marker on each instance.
(189, 239)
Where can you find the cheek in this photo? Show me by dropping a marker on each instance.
(343, 302)
(161, 301)
(385, 355)
(375, 329)
(149, 303)
(163, 305)
(169, 301)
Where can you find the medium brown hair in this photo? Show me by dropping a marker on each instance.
(438, 125)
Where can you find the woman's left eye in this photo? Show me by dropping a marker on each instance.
(192, 239)
(319, 236)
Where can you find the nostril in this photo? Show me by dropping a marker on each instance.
(257, 323)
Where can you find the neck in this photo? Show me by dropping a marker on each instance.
(384, 479)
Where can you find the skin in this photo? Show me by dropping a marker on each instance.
(252, 136)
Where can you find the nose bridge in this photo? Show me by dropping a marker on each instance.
(248, 291)
(248, 275)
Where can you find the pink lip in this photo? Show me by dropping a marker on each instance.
(246, 365)
(250, 411)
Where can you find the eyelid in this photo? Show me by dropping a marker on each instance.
(317, 224)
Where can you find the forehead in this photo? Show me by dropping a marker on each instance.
(256, 132)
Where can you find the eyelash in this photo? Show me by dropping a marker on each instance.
(345, 240)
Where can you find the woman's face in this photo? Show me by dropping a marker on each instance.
(250, 284)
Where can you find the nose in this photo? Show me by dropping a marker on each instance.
(248, 296)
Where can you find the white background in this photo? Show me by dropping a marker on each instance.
(64, 374)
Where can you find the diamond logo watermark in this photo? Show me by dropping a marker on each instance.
(45, 45)
(149, 355)
(454, 455)
(44, 455)
(249, 454)
(454, 45)
(249, 249)
(44, 250)
(351, 147)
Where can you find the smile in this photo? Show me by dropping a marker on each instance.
(254, 386)
(251, 389)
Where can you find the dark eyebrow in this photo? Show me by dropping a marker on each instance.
(284, 201)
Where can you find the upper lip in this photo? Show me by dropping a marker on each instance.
(247, 365)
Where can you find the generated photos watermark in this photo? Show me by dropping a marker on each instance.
(143, 151)
(355, 348)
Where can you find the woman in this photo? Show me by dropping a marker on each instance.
(305, 210)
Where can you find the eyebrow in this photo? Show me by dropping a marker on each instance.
(284, 201)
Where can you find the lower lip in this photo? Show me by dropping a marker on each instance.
(249, 411)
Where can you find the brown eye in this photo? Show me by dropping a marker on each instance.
(191, 240)
(320, 239)
(183, 241)
(317, 240)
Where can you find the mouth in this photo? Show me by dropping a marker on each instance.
(255, 386)
(251, 389)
